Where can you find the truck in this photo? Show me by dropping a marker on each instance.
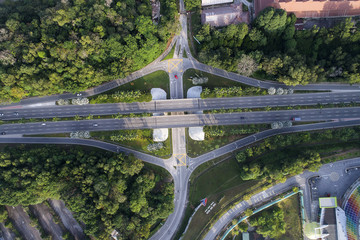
(296, 118)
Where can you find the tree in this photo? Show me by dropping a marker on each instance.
(271, 91)
(247, 65)
(98, 187)
(248, 212)
(269, 223)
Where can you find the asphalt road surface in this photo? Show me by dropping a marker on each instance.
(300, 180)
(182, 174)
(180, 105)
(42, 212)
(22, 223)
(175, 121)
(67, 219)
(7, 234)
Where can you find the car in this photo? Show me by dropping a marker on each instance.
(95, 125)
(242, 117)
(3, 133)
(1, 114)
(16, 113)
(79, 94)
(176, 77)
(43, 124)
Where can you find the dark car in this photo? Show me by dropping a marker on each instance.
(3, 133)
(242, 117)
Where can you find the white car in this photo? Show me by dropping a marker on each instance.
(79, 94)
(43, 124)
(95, 124)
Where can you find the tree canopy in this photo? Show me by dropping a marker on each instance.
(273, 47)
(49, 47)
(105, 190)
(269, 223)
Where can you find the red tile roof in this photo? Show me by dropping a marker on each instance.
(312, 8)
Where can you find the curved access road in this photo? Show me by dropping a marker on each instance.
(182, 174)
(241, 143)
(188, 63)
(176, 121)
(192, 63)
(86, 142)
(181, 105)
(337, 168)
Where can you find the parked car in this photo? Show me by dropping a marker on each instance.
(3, 133)
(43, 124)
(176, 76)
(16, 113)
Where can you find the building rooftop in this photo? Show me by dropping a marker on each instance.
(214, 2)
(223, 16)
(328, 202)
(312, 8)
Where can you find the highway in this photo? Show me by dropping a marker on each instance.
(246, 141)
(181, 175)
(177, 121)
(181, 105)
(182, 168)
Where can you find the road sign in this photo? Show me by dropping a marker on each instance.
(204, 201)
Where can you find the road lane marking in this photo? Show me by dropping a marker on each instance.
(181, 159)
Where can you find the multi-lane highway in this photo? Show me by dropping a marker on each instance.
(180, 105)
(179, 165)
(176, 121)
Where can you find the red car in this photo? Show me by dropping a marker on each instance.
(176, 76)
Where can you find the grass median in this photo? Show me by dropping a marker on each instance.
(220, 182)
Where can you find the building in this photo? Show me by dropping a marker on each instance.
(214, 2)
(312, 8)
(245, 236)
(223, 16)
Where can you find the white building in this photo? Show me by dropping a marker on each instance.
(214, 2)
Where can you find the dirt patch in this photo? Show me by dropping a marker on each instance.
(67, 219)
(22, 223)
(42, 212)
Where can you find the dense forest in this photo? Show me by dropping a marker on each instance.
(52, 46)
(276, 158)
(271, 48)
(105, 190)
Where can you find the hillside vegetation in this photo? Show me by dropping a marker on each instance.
(106, 191)
(271, 48)
(49, 47)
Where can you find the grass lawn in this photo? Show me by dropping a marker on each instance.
(221, 184)
(214, 81)
(292, 218)
(184, 54)
(139, 144)
(170, 54)
(158, 79)
(197, 148)
(205, 184)
(291, 208)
